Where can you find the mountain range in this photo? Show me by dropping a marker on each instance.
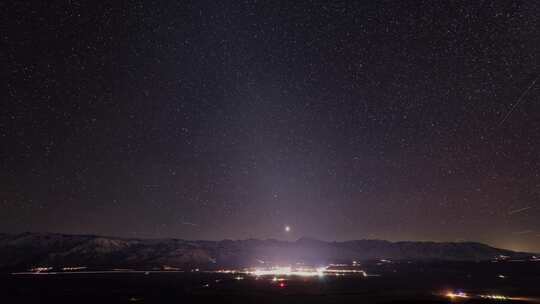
(26, 250)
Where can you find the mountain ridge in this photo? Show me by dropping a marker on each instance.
(25, 250)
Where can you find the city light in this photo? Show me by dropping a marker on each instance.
(457, 295)
(74, 268)
(497, 297)
(40, 269)
(287, 271)
(494, 297)
(304, 271)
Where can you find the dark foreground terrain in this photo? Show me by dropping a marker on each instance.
(387, 283)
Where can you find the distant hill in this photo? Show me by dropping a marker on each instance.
(21, 251)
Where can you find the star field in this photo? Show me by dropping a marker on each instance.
(396, 120)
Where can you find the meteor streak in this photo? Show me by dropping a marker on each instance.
(519, 210)
(518, 102)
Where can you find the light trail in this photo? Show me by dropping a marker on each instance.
(518, 102)
(519, 210)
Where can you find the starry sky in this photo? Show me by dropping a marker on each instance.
(398, 120)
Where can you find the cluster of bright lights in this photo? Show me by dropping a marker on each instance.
(228, 271)
(276, 279)
(304, 271)
(166, 267)
(345, 271)
(74, 268)
(462, 295)
(457, 295)
(41, 269)
(288, 271)
(494, 297)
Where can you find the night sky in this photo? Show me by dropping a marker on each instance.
(234, 119)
